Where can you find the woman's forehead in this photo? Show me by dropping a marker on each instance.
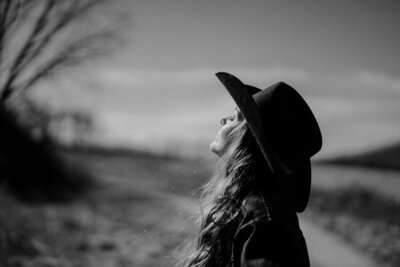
(238, 114)
(237, 110)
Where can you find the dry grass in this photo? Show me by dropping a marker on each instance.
(141, 211)
(135, 216)
(369, 221)
(383, 158)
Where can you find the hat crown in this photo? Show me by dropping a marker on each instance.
(286, 132)
(289, 123)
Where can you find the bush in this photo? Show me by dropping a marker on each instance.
(31, 169)
(364, 218)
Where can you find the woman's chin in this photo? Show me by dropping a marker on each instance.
(214, 148)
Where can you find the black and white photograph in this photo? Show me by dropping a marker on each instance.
(184, 133)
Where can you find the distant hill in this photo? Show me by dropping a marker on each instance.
(387, 157)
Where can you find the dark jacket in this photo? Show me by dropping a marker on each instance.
(269, 235)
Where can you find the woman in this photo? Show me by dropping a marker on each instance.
(262, 180)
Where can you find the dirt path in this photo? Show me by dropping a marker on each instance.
(328, 250)
(383, 182)
(159, 212)
(325, 249)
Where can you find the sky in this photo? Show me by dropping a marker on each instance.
(157, 90)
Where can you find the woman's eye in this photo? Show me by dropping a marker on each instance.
(224, 120)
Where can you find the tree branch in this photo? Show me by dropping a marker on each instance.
(40, 54)
(15, 69)
(42, 36)
(72, 54)
(11, 12)
(4, 9)
(68, 15)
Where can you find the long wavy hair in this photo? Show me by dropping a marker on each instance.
(235, 177)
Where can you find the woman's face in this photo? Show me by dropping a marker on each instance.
(221, 144)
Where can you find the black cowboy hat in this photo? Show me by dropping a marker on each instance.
(286, 131)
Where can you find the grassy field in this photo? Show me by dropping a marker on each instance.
(134, 216)
(143, 207)
(365, 219)
(383, 158)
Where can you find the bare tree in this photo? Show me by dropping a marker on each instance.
(37, 40)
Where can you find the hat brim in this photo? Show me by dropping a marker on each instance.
(247, 106)
(296, 187)
(293, 185)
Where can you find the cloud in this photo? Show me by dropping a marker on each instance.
(153, 107)
(379, 81)
(138, 77)
(366, 85)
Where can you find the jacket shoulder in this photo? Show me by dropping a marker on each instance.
(254, 208)
(263, 237)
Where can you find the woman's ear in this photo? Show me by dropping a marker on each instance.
(239, 115)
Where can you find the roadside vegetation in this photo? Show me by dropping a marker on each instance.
(141, 208)
(38, 39)
(369, 221)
